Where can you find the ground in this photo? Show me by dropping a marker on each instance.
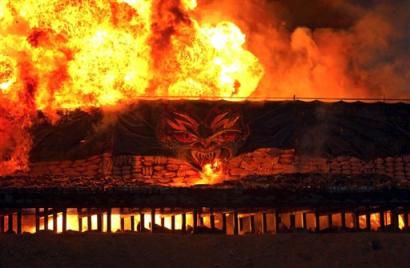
(157, 250)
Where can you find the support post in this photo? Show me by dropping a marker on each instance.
(235, 222)
(195, 220)
(212, 218)
(317, 221)
(381, 218)
(142, 222)
(330, 221)
(64, 220)
(252, 225)
(277, 221)
(173, 222)
(19, 215)
(45, 219)
(162, 222)
(10, 222)
(55, 225)
(132, 223)
(395, 220)
(183, 227)
(89, 222)
(100, 222)
(122, 224)
(368, 222)
(356, 221)
(80, 219)
(264, 223)
(343, 217)
(200, 218)
(406, 219)
(292, 221)
(304, 220)
(1, 224)
(224, 222)
(37, 216)
(152, 220)
(109, 225)
(241, 224)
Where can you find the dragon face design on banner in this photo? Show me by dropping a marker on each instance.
(201, 141)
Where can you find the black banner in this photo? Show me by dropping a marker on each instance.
(199, 131)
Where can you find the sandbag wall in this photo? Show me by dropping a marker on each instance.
(159, 170)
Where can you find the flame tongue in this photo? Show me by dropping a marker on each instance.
(211, 173)
(7, 72)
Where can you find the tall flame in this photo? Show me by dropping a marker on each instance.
(96, 52)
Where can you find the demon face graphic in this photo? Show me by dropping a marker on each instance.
(201, 141)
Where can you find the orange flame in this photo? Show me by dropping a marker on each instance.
(96, 52)
(211, 173)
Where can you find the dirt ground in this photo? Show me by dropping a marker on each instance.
(158, 250)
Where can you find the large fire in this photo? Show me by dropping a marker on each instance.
(69, 54)
(94, 53)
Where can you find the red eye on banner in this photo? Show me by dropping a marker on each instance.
(184, 137)
(229, 137)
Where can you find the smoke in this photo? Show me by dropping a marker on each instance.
(333, 49)
(169, 20)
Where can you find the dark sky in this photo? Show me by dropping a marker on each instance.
(330, 13)
(343, 14)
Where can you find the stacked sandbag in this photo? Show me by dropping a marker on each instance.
(265, 161)
(406, 165)
(85, 167)
(159, 170)
(399, 172)
(347, 166)
(306, 164)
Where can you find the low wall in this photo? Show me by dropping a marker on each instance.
(268, 161)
